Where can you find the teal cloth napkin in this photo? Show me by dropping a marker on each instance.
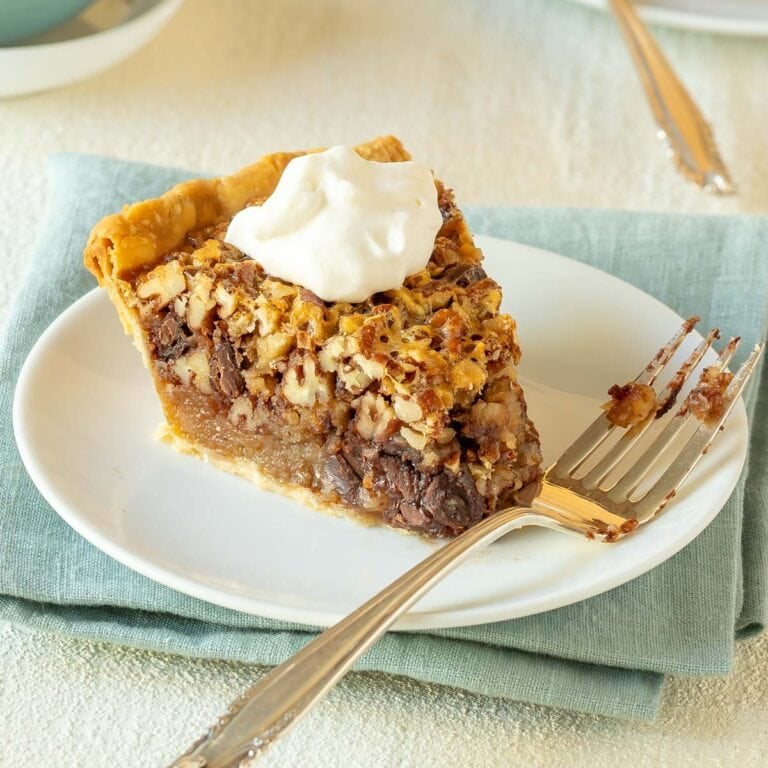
(607, 655)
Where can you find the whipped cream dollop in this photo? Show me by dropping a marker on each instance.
(341, 226)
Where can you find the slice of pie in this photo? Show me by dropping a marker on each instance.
(403, 408)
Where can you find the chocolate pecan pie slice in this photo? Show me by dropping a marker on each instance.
(403, 408)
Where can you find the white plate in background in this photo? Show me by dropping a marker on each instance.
(85, 412)
(725, 17)
(104, 34)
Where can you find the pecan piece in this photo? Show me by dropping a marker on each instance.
(707, 399)
(631, 404)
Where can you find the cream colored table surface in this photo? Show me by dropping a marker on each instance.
(521, 103)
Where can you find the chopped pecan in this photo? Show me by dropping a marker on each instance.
(305, 384)
(631, 404)
(163, 283)
(706, 400)
(407, 410)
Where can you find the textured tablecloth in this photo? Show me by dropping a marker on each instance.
(521, 103)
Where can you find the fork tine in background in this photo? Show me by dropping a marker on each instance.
(665, 401)
(593, 436)
(627, 484)
(666, 486)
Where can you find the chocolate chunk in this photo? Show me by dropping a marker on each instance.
(412, 515)
(352, 450)
(465, 274)
(249, 273)
(400, 476)
(473, 274)
(310, 297)
(432, 501)
(230, 254)
(171, 339)
(224, 374)
(453, 500)
(399, 446)
(343, 477)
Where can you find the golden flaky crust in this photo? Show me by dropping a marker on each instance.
(144, 232)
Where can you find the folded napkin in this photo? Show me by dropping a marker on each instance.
(607, 655)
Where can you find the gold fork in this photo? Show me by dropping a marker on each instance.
(603, 503)
(688, 136)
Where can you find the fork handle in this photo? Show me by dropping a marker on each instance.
(267, 710)
(688, 134)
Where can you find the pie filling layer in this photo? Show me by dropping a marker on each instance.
(404, 407)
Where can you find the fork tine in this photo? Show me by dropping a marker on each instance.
(664, 402)
(672, 390)
(659, 361)
(601, 427)
(666, 486)
(625, 486)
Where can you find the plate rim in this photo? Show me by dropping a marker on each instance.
(411, 620)
(690, 20)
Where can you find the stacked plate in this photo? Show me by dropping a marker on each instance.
(106, 32)
(725, 17)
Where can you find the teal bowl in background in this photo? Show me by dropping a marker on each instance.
(25, 18)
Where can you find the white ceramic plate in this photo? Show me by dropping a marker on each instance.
(726, 17)
(85, 413)
(104, 34)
